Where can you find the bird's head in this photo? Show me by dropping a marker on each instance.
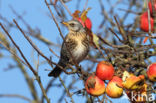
(73, 25)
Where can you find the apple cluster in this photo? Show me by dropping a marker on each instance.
(95, 83)
(128, 82)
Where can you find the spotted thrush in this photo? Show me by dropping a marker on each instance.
(76, 45)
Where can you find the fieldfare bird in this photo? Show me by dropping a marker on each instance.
(76, 45)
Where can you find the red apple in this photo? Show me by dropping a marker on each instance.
(151, 72)
(104, 70)
(114, 88)
(144, 25)
(87, 23)
(150, 8)
(95, 86)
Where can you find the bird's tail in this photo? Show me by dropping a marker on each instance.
(57, 70)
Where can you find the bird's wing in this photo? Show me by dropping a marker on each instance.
(65, 54)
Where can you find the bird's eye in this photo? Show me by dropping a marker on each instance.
(72, 24)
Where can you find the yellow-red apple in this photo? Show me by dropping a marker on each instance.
(95, 86)
(114, 88)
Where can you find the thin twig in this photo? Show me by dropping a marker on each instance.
(54, 53)
(42, 88)
(66, 8)
(66, 89)
(15, 96)
(47, 88)
(32, 44)
(13, 53)
(31, 68)
(36, 48)
(21, 53)
(85, 6)
(118, 25)
(115, 35)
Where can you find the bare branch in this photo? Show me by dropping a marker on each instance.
(15, 96)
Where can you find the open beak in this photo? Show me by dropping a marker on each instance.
(65, 23)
